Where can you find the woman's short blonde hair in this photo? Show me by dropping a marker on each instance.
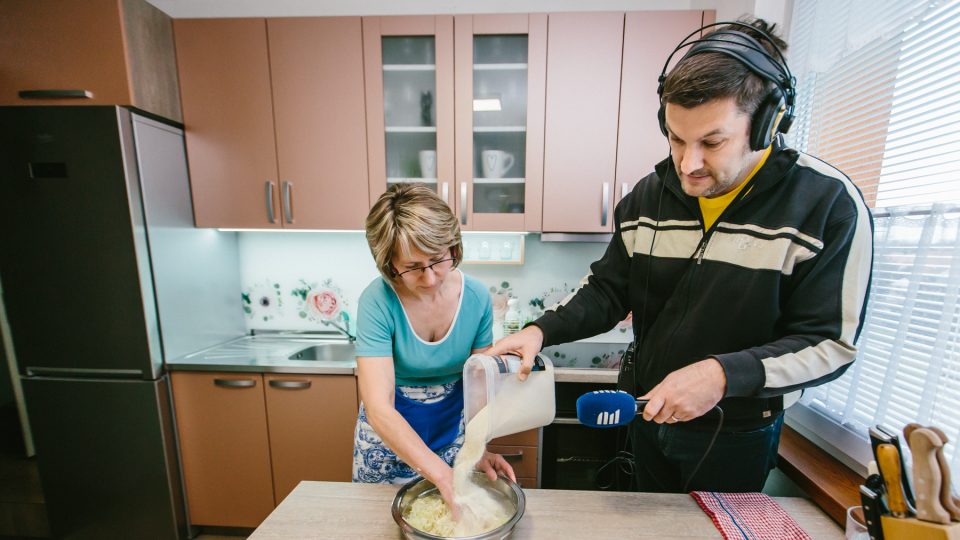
(411, 216)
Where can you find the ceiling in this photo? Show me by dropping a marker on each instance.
(288, 8)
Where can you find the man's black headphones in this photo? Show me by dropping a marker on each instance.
(776, 110)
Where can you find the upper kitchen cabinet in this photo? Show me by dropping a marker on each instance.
(648, 40)
(316, 66)
(409, 95)
(228, 115)
(273, 112)
(602, 131)
(478, 80)
(96, 52)
(584, 54)
(500, 89)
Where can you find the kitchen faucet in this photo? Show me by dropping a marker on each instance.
(342, 330)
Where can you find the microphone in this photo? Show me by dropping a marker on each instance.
(608, 408)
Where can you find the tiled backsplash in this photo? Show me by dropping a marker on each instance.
(294, 281)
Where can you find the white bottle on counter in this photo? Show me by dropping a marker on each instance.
(511, 321)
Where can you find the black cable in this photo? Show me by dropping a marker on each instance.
(706, 452)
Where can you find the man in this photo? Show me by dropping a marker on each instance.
(746, 265)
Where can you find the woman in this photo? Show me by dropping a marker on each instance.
(416, 326)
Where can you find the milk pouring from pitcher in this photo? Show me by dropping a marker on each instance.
(514, 405)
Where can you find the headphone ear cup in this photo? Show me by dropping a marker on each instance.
(662, 118)
(764, 124)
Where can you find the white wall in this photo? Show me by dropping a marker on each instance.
(275, 264)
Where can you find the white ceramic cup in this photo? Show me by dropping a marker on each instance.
(854, 529)
(428, 163)
(495, 163)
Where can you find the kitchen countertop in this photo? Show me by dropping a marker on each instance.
(345, 510)
(270, 353)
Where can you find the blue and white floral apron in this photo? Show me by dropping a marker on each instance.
(434, 412)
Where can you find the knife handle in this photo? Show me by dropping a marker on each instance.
(924, 445)
(874, 483)
(889, 461)
(871, 512)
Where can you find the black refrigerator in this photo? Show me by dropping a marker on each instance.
(103, 277)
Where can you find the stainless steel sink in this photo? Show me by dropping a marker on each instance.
(325, 352)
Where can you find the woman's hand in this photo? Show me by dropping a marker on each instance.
(444, 483)
(492, 464)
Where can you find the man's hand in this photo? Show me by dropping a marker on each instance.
(525, 344)
(492, 464)
(687, 393)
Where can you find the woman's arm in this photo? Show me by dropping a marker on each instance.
(377, 387)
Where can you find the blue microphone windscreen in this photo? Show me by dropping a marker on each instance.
(606, 408)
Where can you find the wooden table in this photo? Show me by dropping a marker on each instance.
(345, 510)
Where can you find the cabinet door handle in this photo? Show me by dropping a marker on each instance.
(235, 383)
(463, 203)
(55, 94)
(606, 204)
(516, 456)
(445, 192)
(290, 385)
(623, 190)
(288, 201)
(268, 195)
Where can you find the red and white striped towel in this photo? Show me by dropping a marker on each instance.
(749, 516)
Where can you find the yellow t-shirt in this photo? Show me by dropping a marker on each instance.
(711, 208)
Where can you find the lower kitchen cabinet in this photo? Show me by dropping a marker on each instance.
(224, 449)
(246, 440)
(311, 422)
(522, 452)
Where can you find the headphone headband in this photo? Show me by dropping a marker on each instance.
(749, 52)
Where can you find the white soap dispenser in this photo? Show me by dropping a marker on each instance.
(511, 321)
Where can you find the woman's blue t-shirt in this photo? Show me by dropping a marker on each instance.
(384, 330)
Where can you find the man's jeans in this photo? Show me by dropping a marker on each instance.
(666, 454)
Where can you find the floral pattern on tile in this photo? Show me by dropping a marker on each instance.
(549, 298)
(499, 296)
(262, 301)
(323, 302)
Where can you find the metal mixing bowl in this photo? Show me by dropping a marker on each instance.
(422, 487)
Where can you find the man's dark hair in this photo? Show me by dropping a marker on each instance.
(711, 75)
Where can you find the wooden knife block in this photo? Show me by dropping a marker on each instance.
(914, 529)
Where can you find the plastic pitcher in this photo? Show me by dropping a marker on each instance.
(514, 406)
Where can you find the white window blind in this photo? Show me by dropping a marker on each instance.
(879, 98)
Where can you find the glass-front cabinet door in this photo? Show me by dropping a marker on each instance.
(500, 92)
(409, 89)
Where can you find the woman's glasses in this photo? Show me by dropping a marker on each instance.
(439, 266)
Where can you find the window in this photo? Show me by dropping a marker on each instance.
(879, 98)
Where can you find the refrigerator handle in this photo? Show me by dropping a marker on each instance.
(81, 372)
(235, 383)
(268, 196)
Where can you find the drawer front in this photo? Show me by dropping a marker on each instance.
(523, 459)
(531, 437)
